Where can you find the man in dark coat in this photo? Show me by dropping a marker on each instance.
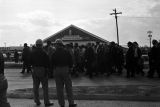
(119, 59)
(89, 60)
(130, 61)
(40, 63)
(62, 62)
(138, 59)
(16, 56)
(1, 63)
(153, 59)
(113, 55)
(49, 49)
(25, 58)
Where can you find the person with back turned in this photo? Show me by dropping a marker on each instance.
(62, 62)
(3, 84)
(40, 62)
(25, 58)
(153, 60)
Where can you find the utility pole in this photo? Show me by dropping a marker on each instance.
(116, 13)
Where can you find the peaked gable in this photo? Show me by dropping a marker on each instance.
(74, 33)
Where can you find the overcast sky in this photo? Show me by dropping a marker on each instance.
(27, 20)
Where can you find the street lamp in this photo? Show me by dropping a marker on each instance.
(150, 36)
(5, 44)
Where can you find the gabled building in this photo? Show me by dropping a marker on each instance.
(74, 34)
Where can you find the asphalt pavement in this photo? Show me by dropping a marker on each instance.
(102, 91)
(114, 87)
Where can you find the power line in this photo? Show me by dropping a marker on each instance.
(140, 17)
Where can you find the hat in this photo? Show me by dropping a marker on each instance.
(39, 41)
(59, 41)
(49, 42)
(25, 44)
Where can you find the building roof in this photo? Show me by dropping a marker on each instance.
(82, 35)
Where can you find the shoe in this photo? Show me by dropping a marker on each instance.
(49, 104)
(22, 71)
(38, 103)
(73, 105)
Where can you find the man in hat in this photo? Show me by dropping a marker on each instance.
(40, 62)
(62, 62)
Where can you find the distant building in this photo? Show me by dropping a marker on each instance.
(11, 48)
(8, 52)
(74, 34)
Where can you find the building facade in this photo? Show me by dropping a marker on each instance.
(74, 34)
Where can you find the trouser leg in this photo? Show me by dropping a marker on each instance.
(158, 70)
(90, 70)
(3, 99)
(36, 83)
(128, 73)
(133, 72)
(151, 70)
(45, 90)
(68, 86)
(24, 66)
(60, 89)
(3, 93)
(119, 67)
(28, 67)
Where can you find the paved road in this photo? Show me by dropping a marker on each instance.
(16, 80)
(86, 103)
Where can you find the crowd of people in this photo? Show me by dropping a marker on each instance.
(101, 59)
(91, 59)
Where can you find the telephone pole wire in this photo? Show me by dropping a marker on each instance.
(116, 13)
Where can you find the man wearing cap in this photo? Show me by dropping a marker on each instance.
(40, 62)
(62, 62)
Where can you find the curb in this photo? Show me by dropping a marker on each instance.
(124, 93)
(93, 97)
(13, 65)
(19, 65)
